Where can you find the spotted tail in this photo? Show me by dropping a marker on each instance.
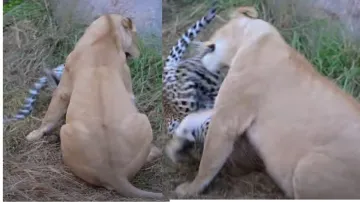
(178, 50)
(54, 75)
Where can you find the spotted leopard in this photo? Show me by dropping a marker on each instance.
(188, 86)
(191, 131)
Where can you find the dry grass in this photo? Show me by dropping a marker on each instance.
(34, 171)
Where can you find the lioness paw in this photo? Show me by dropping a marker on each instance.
(185, 190)
(35, 135)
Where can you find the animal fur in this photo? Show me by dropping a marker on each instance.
(304, 127)
(105, 140)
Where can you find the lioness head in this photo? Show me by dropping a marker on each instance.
(116, 25)
(126, 31)
(230, 36)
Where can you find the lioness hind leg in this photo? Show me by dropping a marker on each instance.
(139, 125)
(74, 146)
(318, 176)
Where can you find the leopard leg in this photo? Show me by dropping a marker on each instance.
(189, 130)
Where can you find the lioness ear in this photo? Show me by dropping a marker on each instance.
(245, 10)
(128, 24)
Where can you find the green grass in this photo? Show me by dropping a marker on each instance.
(147, 81)
(20, 9)
(329, 51)
(325, 45)
(11, 4)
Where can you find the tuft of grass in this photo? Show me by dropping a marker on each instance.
(11, 4)
(20, 9)
(146, 73)
(328, 49)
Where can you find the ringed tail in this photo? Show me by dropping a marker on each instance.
(29, 102)
(178, 50)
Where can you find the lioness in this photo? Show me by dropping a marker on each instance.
(305, 129)
(105, 140)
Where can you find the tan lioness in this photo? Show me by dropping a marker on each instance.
(105, 140)
(306, 130)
